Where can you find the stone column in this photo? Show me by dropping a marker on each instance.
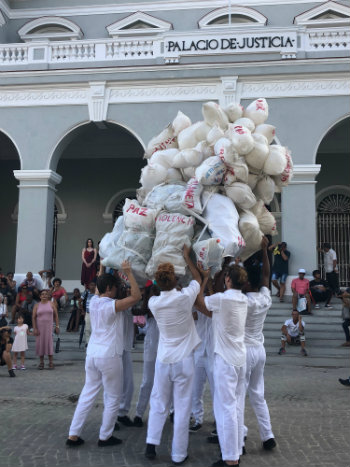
(35, 219)
(299, 218)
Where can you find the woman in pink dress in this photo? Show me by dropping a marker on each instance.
(88, 269)
(44, 314)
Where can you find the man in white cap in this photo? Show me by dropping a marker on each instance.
(300, 288)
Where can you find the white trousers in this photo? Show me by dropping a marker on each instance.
(87, 330)
(229, 416)
(172, 381)
(201, 374)
(254, 383)
(106, 372)
(146, 387)
(128, 384)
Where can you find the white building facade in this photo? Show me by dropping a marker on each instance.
(83, 87)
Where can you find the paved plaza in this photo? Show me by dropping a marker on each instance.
(310, 414)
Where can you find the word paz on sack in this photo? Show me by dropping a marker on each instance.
(137, 210)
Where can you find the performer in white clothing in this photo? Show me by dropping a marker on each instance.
(229, 312)
(150, 346)
(259, 302)
(173, 378)
(103, 364)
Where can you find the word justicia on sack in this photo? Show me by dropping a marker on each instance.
(232, 43)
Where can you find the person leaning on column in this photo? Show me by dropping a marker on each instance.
(103, 364)
(330, 267)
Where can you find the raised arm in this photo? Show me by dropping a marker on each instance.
(265, 263)
(194, 271)
(200, 303)
(135, 293)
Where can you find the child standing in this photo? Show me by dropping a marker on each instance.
(20, 343)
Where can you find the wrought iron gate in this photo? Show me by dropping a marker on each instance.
(54, 240)
(333, 225)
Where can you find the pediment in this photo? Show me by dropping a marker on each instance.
(138, 24)
(50, 28)
(327, 14)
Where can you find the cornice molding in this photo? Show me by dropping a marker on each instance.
(305, 174)
(37, 178)
(109, 9)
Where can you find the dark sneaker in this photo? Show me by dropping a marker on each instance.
(138, 421)
(344, 382)
(213, 439)
(269, 444)
(171, 416)
(125, 420)
(329, 307)
(150, 452)
(116, 427)
(303, 352)
(181, 462)
(74, 443)
(12, 374)
(281, 351)
(195, 427)
(219, 463)
(112, 441)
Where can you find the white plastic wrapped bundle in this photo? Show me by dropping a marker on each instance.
(172, 232)
(241, 195)
(247, 122)
(257, 157)
(158, 196)
(205, 148)
(276, 160)
(234, 112)
(180, 122)
(250, 230)
(258, 111)
(213, 114)
(209, 254)
(188, 172)
(151, 175)
(191, 136)
(192, 196)
(164, 158)
(211, 171)
(269, 131)
(109, 241)
(284, 178)
(214, 134)
(138, 218)
(265, 189)
(222, 217)
(165, 140)
(236, 172)
(173, 175)
(187, 158)
(252, 180)
(267, 222)
(225, 150)
(241, 138)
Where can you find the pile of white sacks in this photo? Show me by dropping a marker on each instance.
(205, 184)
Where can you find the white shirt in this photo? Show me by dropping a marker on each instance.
(3, 309)
(177, 332)
(150, 344)
(229, 317)
(107, 326)
(128, 330)
(329, 257)
(258, 305)
(204, 327)
(292, 328)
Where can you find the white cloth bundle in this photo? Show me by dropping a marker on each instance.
(165, 140)
(109, 241)
(284, 178)
(267, 222)
(151, 175)
(213, 114)
(187, 158)
(159, 195)
(192, 135)
(258, 111)
(241, 138)
(276, 160)
(234, 112)
(246, 122)
(241, 195)
(265, 189)
(211, 171)
(173, 230)
(250, 230)
(269, 131)
(209, 254)
(164, 158)
(214, 134)
(225, 150)
(180, 122)
(222, 218)
(236, 172)
(257, 156)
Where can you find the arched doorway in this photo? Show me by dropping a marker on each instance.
(9, 161)
(333, 196)
(98, 160)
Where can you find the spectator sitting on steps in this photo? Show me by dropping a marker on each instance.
(59, 293)
(300, 289)
(320, 290)
(293, 333)
(280, 267)
(345, 314)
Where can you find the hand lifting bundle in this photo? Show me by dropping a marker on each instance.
(215, 175)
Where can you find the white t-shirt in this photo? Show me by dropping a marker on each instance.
(229, 316)
(329, 257)
(107, 326)
(3, 309)
(258, 306)
(177, 332)
(128, 330)
(204, 327)
(293, 329)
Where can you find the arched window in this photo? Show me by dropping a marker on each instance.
(234, 16)
(114, 207)
(118, 208)
(52, 28)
